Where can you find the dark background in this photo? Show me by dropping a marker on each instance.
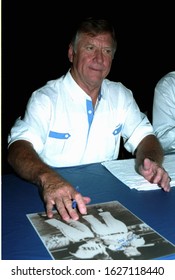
(35, 38)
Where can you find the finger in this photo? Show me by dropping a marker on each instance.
(157, 175)
(49, 209)
(146, 169)
(66, 209)
(81, 204)
(165, 184)
(162, 179)
(86, 199)
(146, 164)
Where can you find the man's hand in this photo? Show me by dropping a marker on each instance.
(156, 174)
(59, 194)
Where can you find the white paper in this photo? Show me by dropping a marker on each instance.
(124, 170)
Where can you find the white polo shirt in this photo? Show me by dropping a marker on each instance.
(66, 130)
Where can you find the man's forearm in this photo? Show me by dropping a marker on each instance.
(27, 164)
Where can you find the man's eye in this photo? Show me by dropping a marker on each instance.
(107, 51)
(89, 48)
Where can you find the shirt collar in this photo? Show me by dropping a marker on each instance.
(73, 88)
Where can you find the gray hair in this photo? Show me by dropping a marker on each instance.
(93, 27)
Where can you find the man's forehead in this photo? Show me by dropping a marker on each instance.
(92, 39)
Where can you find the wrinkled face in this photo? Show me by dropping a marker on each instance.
(91, 59)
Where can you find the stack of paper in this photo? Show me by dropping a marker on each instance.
(124, 170)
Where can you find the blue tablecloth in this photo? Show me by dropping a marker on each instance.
(20, 241)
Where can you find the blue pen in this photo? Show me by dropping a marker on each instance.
(74, 203)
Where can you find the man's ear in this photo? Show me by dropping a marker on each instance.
(70, 53)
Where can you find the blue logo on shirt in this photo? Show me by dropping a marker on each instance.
(117, 129)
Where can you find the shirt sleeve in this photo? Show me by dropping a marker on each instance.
(140, 129)
(136, 124)
(164, 112)
(34, 127)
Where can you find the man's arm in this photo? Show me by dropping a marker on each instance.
(149, 159)
(150, 148)
(26, 162)
(57, 192)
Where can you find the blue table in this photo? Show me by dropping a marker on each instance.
(20, 241)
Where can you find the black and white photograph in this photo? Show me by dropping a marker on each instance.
(108, 232)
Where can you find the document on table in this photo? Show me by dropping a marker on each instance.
(124, 170)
